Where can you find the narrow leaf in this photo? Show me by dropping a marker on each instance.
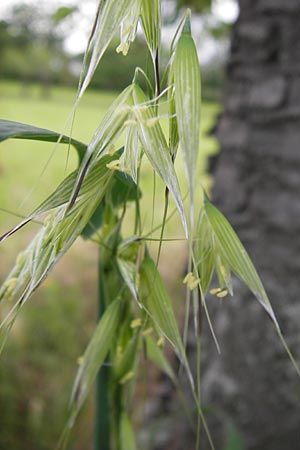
(236, 256)
(121, 190)
(17, 130)
(130, 158)
(62, 194)
(59, 232)
(150, 17)
(157, 303)
(105, 135)
(156, 148)
(127, 256)
(127, 436)
(109, 19)
(94, 357)
(126, 361)
(203, 250)
(129, 27)
(187, 85)
(173, 127)
(240, 263)
(128, 272)
(155, 354)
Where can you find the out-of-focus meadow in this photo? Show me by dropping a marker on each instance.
(40, 359)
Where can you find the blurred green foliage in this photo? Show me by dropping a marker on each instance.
(38, 367)
(30, 47)
(32, 50)
(62, 13)
(234, 439)
(197, 5)
(116, 71)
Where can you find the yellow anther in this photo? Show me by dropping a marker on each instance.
(160, 342)
(191, 281)
(127, 30)
(151, 122)
(129, 122)
(222, 293)
(138, 109)
(142, 108)
(223, 271)
(135, 323)
(193, 284)
(123, 48)
(119, 351)
(123, 109)
(128, 376)
(80, 360)
(215, 291)
(9, 285)
(147, 331)
(111, 150)
(187, 277)
(114, 165)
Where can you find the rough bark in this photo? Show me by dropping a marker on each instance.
(257, 185)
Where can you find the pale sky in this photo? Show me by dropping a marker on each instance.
(225, 10)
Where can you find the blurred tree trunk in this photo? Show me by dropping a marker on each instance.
(257, 186)
(252, 385)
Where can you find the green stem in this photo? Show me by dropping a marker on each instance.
(157, 76)
(102, 423)
(163, 224)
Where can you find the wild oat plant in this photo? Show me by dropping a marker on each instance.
(137, 315)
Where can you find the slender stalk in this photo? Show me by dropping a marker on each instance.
(137, 222)
(157, 76)
(198, 369)
(158, 92)
(102, 423)
(163, 224)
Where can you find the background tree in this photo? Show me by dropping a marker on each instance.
(257, 185)
(31, 46)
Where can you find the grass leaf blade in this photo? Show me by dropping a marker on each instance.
(236, 256)
(187, 85)
(156, 301)
(156, 148)
(108, 21)
(94, 357)
(129, 27)
(127, 436)
(17, 130)
(150, 18)
(56, 236)
(155, 354)
(203, 250)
